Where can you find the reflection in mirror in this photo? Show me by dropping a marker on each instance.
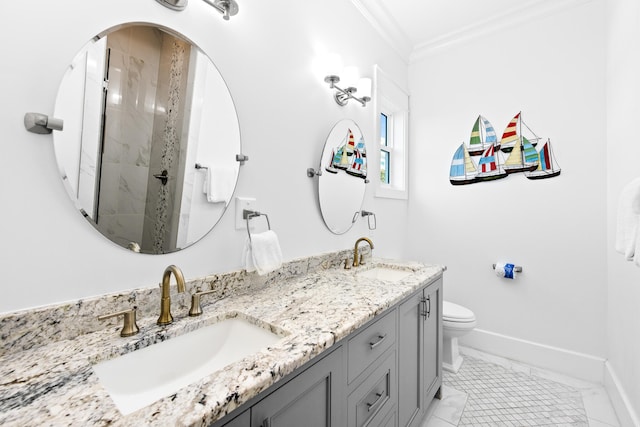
(344, 175)
(141, 106)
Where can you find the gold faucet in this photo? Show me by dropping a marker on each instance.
(165, 302)
(356, 259)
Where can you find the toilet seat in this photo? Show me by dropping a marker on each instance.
(456, 313)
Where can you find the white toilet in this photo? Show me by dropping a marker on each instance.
(456, 322)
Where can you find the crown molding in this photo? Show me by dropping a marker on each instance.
(529, 11)
(381, 20)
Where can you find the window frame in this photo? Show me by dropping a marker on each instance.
(393, 101)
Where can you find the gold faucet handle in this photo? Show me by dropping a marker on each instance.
(130, 326)
(196, 308)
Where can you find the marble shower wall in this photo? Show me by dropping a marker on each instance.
(169, 146)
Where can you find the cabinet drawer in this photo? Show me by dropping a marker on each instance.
(370, 402)
(371, 343)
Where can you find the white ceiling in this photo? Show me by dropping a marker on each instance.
(416, 25)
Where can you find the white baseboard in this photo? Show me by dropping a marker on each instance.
(619, 399)
(567, 362)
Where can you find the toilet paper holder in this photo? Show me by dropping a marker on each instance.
(517, 268)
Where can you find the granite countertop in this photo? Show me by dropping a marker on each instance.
(55, 384)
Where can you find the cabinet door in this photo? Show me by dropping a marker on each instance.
(410, 339)
(432, 340)
(314, 398)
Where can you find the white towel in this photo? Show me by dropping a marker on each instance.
(262, 253)
(219, 183)
(627, 232)
(247, 257)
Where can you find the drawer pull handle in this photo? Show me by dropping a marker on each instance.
(370, 406)
(266, 422)
(377, 343)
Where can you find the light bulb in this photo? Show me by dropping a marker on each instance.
(332, 64)
(364, 88)
(349, 77)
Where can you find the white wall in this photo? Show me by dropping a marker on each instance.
(623, 152)
(552, 69)
(51, 254)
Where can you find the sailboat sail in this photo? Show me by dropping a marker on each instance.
(547, 166)
(475, 142)
(490, 132)
(530, 153)
(330, 168)
(523, 157)
(482, 135)
(358, 166)
(359, 162)
(514, 131)
(510, 135)
(489, 165)
(463, 169)
(344, 151)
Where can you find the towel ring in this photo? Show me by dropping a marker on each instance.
(247, 215)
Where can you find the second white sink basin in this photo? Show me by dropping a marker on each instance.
(385, 273)
(136, 379)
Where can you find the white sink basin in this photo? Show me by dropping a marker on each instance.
(385, 273)
(136, 379)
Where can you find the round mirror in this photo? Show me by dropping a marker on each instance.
(151, 134)
(344, 175)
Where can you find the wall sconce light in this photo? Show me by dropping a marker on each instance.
(174, 4)
(226, 7)
(351, 83)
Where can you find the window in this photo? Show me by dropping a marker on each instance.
(384, 149)
(392, 109)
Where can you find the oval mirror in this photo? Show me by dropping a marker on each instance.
(344, 175)
(151, 134)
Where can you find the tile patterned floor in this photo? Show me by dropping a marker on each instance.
(488, 392)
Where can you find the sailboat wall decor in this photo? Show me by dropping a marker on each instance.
(463, 168)
(490, 166)
(547, 166)
(517, 145)
(482, 136)
(349, 157)
(523, 157)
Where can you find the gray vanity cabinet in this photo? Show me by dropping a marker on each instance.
(243, 420)
(384, 375)
(419, 353)
(314, 398)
